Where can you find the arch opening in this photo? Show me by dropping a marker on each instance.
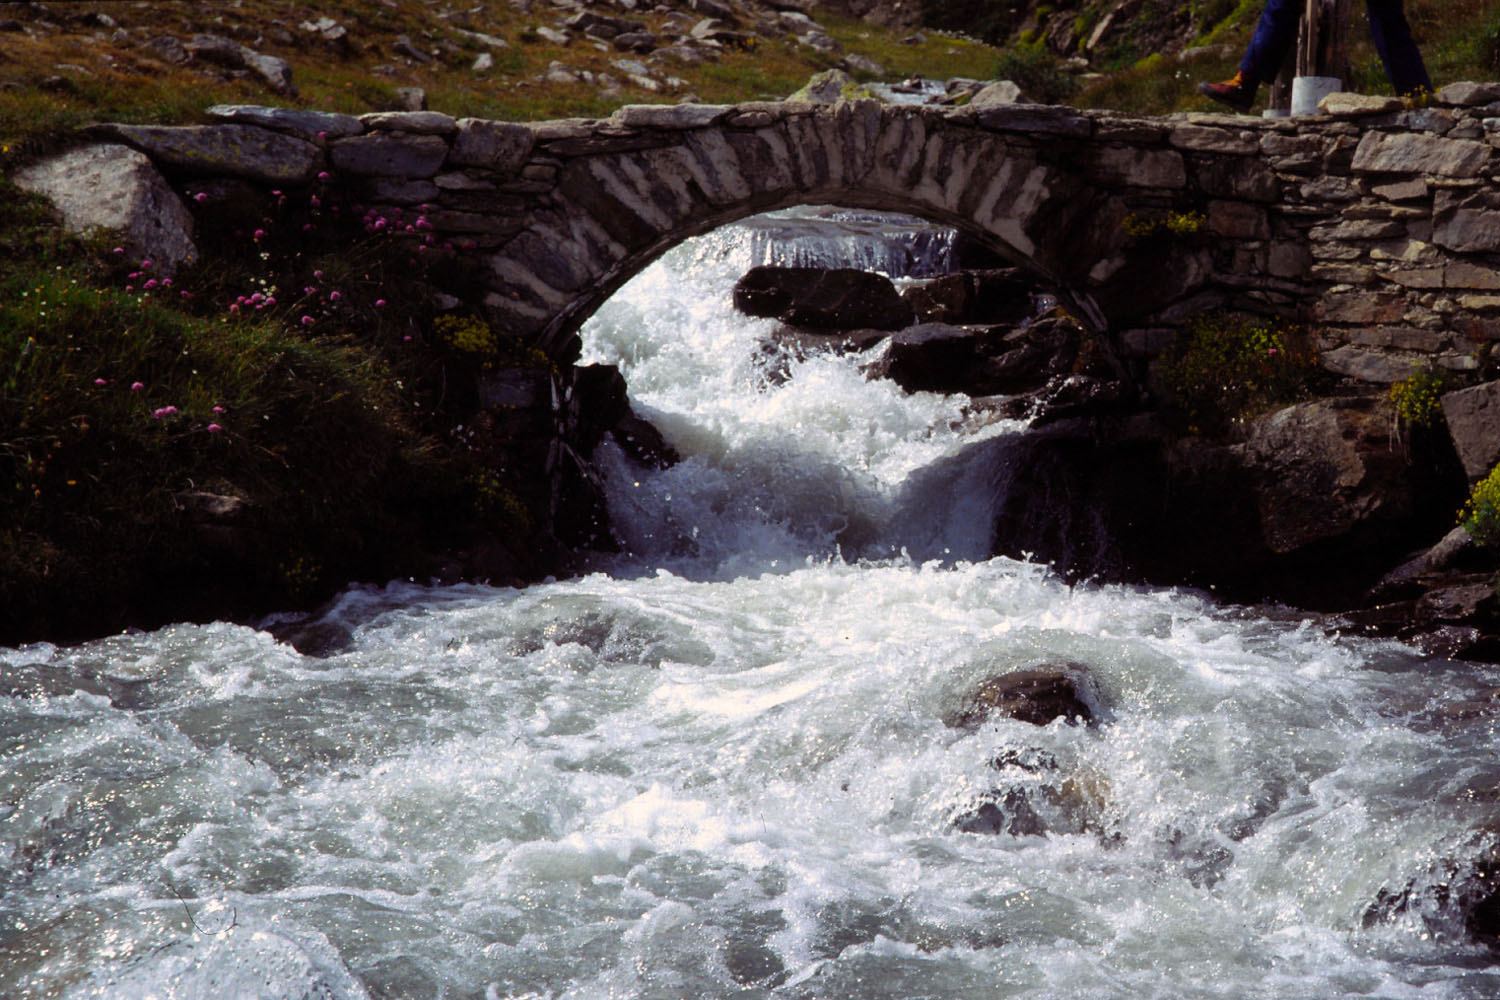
(800, 443)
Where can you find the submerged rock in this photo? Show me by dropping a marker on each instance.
(1454, 899)
(1038, 797)
(1038, 695)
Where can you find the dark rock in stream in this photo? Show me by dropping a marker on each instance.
(1000, 295)
(837, 298)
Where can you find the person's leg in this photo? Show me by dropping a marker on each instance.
(1399, 53)
(1275, 34)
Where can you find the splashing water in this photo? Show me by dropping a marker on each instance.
(718, 767)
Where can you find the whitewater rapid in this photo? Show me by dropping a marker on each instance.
(718, 766)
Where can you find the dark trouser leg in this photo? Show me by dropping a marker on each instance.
(1275, 34)
(1403, 63)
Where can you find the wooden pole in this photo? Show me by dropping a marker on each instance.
(1323, 39)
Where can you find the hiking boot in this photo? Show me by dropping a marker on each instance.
(1237, 92)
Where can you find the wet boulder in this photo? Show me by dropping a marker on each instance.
(1032, 797)
(931, 357)
(1454, 899)
(996, 295)
(1330, 469)
(820, 298)
(1072, 371)
(1038, 695)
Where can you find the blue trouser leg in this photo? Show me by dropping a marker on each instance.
(1275, 34)
(1403, 63)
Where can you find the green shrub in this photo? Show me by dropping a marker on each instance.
(1480, 516)
(1417, 399)
(1227, 367)
(1039, 73)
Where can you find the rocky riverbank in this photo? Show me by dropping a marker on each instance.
(1323, 499)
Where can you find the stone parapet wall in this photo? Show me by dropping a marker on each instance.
(1381, 226)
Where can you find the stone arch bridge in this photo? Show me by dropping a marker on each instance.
(1382, 227)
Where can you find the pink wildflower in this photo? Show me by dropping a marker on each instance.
(307, 321)
(380, 303)
(118, 250)
(218, 409)
(335, 296)
(137, 386)
(150, 284)
(201, 196)
(323, 175)
(164, 412)
(101, 381)
(214, 428)
(259, 233)
(145, 265)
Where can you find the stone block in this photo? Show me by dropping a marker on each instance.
(1417, 153)
(1348, 104)
(1237, 220)
(1343, 274)
(117, 188)
(1033, 118)
(246, 151)
(1405, 338)
(500, 146)
(1468, 222)
(1371, 365)
(670, 116)
(307, 124)
(1240, 177)
(1409, 190)
(1462, 274)
(417, 122)
(1358, 229)
(1127, 165)
(1288, 260)
(1418, 277)
(1473, 418)
(1360, 307)
(1468, 95)
(1337, 189)
(390, 154)
(1214, 140)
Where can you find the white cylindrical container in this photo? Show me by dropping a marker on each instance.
(1307, 91)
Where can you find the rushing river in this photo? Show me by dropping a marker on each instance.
(718, 766)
